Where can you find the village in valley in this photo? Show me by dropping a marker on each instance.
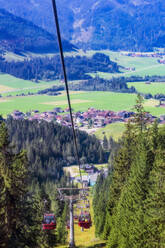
(92, 118)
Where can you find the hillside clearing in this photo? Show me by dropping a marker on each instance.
(152, 88)
(114, 130)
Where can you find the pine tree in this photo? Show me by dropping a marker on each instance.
(61, 230)
(140, 118)
(128, 228)
(105, 143)
(155, 204)
(154, 134)
(21, 229)
(3, 224)
(99, 203)
(122, 164)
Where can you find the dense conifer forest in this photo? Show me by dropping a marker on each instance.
(50, 68)
(100, 84)
(133, 193)
(23, 201)
(50, 147)
(20, 36)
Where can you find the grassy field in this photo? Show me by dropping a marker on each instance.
(114, 130)
(153, 88)
(143, 66)
(10, 85)
(101, 166)
(81, 102)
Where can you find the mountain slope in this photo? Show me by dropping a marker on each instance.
(114, 24)
(17, 34)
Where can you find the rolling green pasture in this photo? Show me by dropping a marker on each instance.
(81, 102)
(114, 130)
(10, 85)
(143, 66)
(15, 83)
(153, 88)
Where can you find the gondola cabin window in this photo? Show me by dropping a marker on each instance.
(49, 222)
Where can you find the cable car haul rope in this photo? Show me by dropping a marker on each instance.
(83, 218)
(66, 84)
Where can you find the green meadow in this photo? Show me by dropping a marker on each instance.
(144, 66)
(152, 88)
(15, 83)
(81, 101)
(10, 85)
(114, 130)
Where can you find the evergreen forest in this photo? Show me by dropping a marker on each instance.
(50, 147)
(49, 68)
(23, 201)
(133, 194)
(19, 36)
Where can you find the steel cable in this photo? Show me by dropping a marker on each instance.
(66, 84)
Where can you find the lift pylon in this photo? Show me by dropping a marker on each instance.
(72, 199)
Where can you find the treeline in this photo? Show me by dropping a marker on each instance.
(133, 194)
(54, 91)
(118, 84)
(50, 147)
(94, 84)
(148, 79)
(50, 68)
(24, 201)
(156, 96)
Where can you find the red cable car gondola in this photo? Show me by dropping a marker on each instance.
(49, 222)
(75, 217)
(84, 220)
(68, 225)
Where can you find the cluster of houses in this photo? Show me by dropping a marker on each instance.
(91, 176)
(161, 61)
(162, 119)
(148, 55)
(92, 118)
(130, 68)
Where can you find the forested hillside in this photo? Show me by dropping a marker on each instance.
(23, 202)
(49, 69)
(99, 84)
(114, 24)
(50, 147)
(19, 35)
(133, 193)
